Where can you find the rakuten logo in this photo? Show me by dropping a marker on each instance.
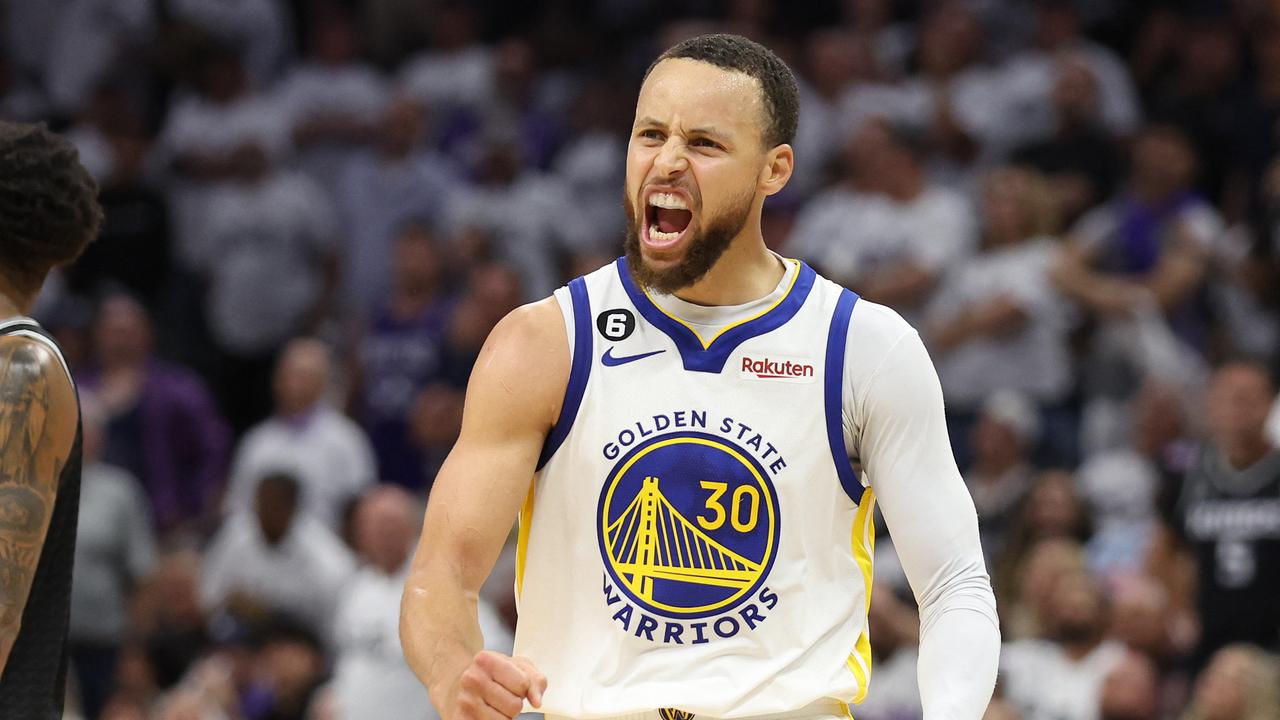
(785, 369)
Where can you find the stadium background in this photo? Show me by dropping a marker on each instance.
(316, 210)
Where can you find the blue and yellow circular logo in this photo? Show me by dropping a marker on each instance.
(688, 524)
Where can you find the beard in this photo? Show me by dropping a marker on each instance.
(703, 247)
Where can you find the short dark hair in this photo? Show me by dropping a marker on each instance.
(49, 208)
(734, 52)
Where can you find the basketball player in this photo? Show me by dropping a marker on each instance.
(48, 214)
(1226, 514)
(675, 432)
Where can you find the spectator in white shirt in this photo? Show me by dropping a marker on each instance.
(996, 322)
(888, 233)
(88, 40)
(263, 28)
(222, 135)
(334, 101)
(456, 75)
(400, 182)
(910, 230)
(1029, 77)
(835, 61)
(840, 227)
(592, 162)
(529, 215)
(891, 40)
(1060, 677)
(272, 263)
(325, 451)
(271, 274)
(276, 558)
(953, 101)
(371, 678)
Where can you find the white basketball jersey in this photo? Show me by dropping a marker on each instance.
(695, 537)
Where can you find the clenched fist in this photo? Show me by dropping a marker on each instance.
(494, 687)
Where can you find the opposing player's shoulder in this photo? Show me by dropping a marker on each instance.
(26, 360)
(35, 387)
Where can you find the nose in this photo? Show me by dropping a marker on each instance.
(671, 160)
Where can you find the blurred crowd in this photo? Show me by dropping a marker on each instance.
(317, 209)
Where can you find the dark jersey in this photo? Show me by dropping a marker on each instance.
(1231, 519)
(32, 686)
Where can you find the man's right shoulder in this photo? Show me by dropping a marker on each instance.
(533, 325)
(525, 362)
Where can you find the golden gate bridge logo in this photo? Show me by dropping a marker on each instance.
(654, 541)
(700, 550)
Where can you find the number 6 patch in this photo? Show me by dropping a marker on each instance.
(616, 324)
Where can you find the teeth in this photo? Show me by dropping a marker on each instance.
(670, 201)
(658, 236)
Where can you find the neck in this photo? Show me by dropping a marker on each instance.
(746, 271)
(1078, 650)
(13, 302)
(1153, 195)
(301, 411)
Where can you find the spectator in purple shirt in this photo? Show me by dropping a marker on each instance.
(402, 352)
(162, 424)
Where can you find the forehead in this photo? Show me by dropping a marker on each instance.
(692, 93)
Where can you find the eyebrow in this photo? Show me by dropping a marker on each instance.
(706, 130)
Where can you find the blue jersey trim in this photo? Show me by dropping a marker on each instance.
(712, 358)
(579, 371)
(832, 387)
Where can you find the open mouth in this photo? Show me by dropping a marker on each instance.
(667, 219)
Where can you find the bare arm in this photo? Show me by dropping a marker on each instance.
(1180, 269)
(1100, 293)
(37, 429)
(513, 398)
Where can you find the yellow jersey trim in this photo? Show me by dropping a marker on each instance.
(863, 542)
(522, 536)
(707, 343)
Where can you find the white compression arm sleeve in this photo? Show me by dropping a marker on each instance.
(894, 415)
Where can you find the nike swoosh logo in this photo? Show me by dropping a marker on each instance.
(610, 361)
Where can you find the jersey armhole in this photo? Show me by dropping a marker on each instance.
(833, 394)
(578, 325)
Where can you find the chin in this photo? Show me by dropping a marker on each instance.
(661, 259)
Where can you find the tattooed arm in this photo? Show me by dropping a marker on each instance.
(37, 429)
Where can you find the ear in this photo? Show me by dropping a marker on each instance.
(778, 164)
